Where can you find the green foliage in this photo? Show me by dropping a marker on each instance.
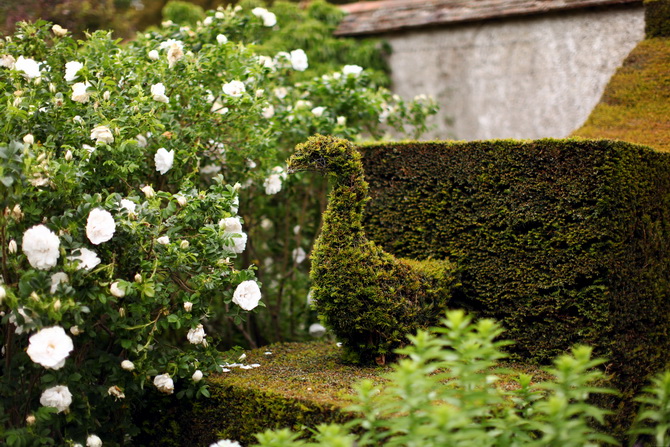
(444, 393)
(657, 18)
(563, 241)
(369, 299)
(183, 13)
(636, 102)
(654, 416)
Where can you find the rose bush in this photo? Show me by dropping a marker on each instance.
(122, 169)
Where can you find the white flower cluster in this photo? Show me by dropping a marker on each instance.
(269, 19)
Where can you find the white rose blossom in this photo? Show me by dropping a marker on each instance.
(27, 325)
(29, 67)
(280, 92)
(12, 247)
(102, 134)
(221, 39)
(57, 279)
(231, 225)
(80, 92)
(116, 392)
(29, 139)
(318, 111)
(234, 88)
(225, 443)
(353, 70)
(175, 54)
(74, 330)
(269, 18)
(148, 191)
(88, 259)
(273, 184)
(158, 93)
(71, 70)
(41, 246)
(117, 291)
(247, 295)
(7, 61)
(196, 335)
(127, 365)
(153, 55)
(3, 294)
(164, 383)
(341, 120)
(299, 60)
(188, 306)
(163, 240)
(58, 397)
(164, 160)
(197, 376)
(268, 112)
(50, 347)
(93, 441)
(298, 255)
(128, 205)
(100, 226)
(59, 30)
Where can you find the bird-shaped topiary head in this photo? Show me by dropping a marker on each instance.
(325, 154)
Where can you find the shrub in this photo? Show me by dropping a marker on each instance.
(120, 198)
(444, 393)
(657, 18)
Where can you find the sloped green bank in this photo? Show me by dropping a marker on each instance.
(563, 241)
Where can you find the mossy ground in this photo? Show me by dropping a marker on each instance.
(635, 106)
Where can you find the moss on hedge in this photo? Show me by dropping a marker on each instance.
(563, 241)
(657, 18)
(635, 106)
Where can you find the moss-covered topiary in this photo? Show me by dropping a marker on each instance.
(368, 298)
(635, 106)
(657, 18)
(563, 241)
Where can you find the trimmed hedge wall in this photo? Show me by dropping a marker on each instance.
(657, 18)
(563, 241)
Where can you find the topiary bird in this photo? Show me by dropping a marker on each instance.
(370, 299)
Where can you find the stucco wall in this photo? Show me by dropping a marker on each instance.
(528, 77)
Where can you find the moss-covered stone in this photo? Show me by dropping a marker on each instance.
(635, 106)
(368, 298)
(657, 18)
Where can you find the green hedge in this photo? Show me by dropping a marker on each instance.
(563, 241)
(657, 18)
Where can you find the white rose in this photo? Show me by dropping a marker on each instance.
(29, 67)
(153, 55)
(41, 245)
(163, 240)
(106, 95)
(148, 191)
(12, 247)
(225, 443)
(181, 200)
(164, 383)
(50, 347)
(164, 160)
(353, 70)
(117, 291)
(272, 184)
(184, 244)
(317, 330)
(74, 330)
(280, 92)
(71, 70)
(269, 19)
(196, 335)
(27, 321)
(56, 279)
(58, 397)
(266, 224)
(59, 30)
(7, 61)
(93, 441)
(219, 15)
(247, 295)
(3, 294)
(341, 120)
(174, 54)
(208, 20)
(188, 306)
(268, 112)
(100, 226)
(102, 134)
(231, 225)
(68, 155)
(238, 244)
(234, 89)
(128, 205)
(298, 255)
(80, 92)
(127, 365)
(299, 60)
(318, 111)
(88, 259)
(197, 375)
(158, 93)
(28, 139)
(221, 39)
(116, 392)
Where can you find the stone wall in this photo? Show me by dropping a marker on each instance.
(526, 77)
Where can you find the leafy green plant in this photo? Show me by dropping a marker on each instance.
(445, 392)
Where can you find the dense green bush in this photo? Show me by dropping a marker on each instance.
(657, 18)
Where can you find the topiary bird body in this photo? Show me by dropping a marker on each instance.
(367, 297)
